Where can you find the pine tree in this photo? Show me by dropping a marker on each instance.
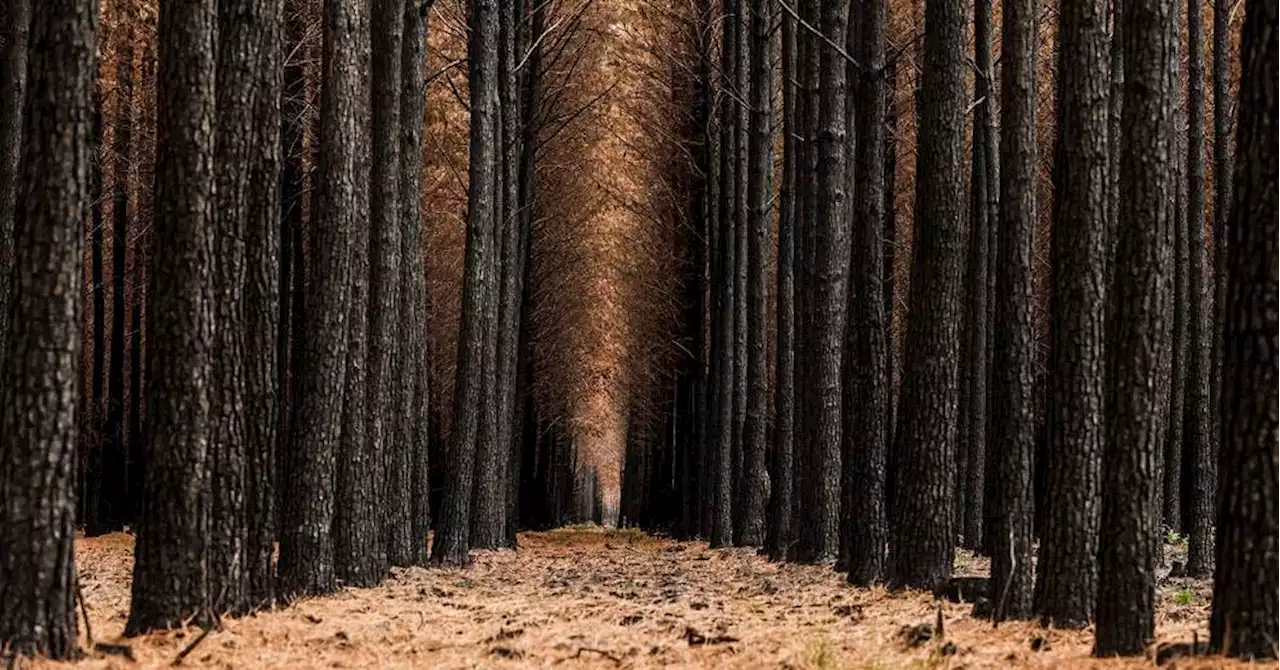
(922, 537)
(42, 352)
(1140, 352)
(170, 577)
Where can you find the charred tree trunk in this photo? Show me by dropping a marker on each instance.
(1139, 359)
(413, 368)
(316, 431)
(451, 546)
(779, 530)
(359, 552)
(42, 353)
(755, 480)
(13, 94)
(1013, 420)
(1201, 473)
(923, 541)
(1067, 572)
(1245, 587)
(170, 580)
(865, 426)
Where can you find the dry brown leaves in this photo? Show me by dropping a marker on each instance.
(586, 597)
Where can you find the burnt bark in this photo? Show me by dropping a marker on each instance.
(359, 552)
(1141, 351)
(387, 305)
(923, 540)
(306, 540)
(755, 480)
(13, 87)
(451, 546)
(1245, 589)
(1200, 474)
(779, 531)
(170, 578)
(1067, 572)
(413, 368)
(866, 416)
(42, 352)
(1013, 420)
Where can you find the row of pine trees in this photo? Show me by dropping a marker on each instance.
(287, 393)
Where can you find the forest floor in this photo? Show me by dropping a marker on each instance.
(587, 597)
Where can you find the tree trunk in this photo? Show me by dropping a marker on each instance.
(1198, 446)
(13, 87)
(392, 471)
(316, 431)
(413, 367)
(451, 546)
(722, 273)
(1067, 572)
(1013, 419)
(359, 550)
(1245, 587)
(1222, 194)
(923, 541)
(755, 480)
(865, 426)
(1141, 354)
(779, 530)
(170, 579)
(42, 352)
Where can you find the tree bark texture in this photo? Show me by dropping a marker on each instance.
(42, 352)
(170, 578)
(923, 541)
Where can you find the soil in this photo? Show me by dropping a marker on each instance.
(589, 597)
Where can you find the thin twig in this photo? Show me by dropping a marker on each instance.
(840, 50)
(191, 647)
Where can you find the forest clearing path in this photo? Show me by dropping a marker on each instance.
(587, 597)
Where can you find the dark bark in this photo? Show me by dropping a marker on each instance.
(779, 530)
(13, 86)
(515, 249)
(170, 579)
(386, 453)
(359, 551)
(42, 352)
(247, 150)
(306, 540)
(825, 306)
(722, 277)
(1013, 420)
(923, 541)
(1246, 585)
(983, 196)
(451, 546)
(112, 512)
(1201, 475)
(1067, 572)
(249, 85)
(1222, 194)
(739, 106)
(263, 387)
(413, 368)
(755, 480)
(865, 429)
(889, 238)
(1138, 398)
